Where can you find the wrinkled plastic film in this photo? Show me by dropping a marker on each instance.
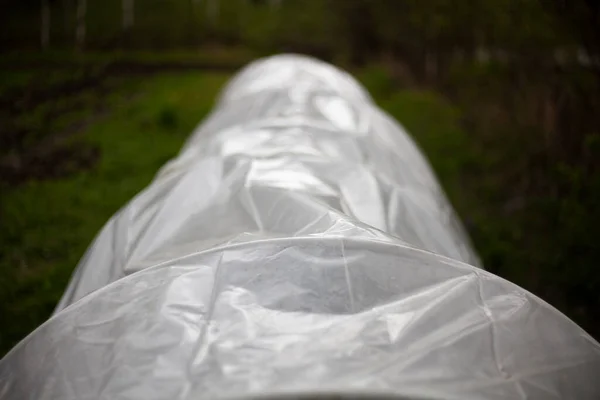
(299, 243)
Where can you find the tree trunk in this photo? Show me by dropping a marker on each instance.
(67, 26)
(66, 5)
(193, 4)
(80, 30)
(128, 14)
(45, 25)
(431, 66)
(212, 11)
(193, 22)
(242, 12)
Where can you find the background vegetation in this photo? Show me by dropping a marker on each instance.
(502, 95)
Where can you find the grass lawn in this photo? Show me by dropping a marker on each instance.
(47, 224)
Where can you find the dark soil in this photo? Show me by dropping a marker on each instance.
(49, 163)
(42, 153)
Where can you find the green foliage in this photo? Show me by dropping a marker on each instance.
(377, 79)
(47, 224)
(167, 117)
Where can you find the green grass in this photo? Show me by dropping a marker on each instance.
(47, 225)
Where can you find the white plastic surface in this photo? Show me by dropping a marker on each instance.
(300, 243)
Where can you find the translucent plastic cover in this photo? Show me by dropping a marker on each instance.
(299, 244)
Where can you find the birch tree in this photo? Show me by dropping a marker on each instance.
(128, 14)
(212, 11)
(80, 29)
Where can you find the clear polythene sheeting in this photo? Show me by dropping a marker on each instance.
(299, 244)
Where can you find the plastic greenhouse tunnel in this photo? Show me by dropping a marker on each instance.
(298, 246)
